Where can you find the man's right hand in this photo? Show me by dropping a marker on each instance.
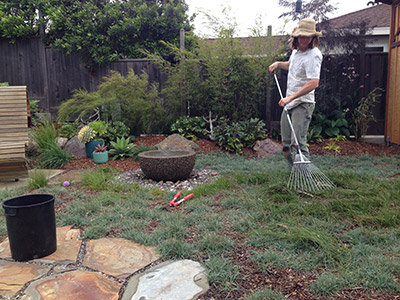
(273, 66)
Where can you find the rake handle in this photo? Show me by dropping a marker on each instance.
(289, 120)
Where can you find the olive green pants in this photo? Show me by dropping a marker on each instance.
(301, 118)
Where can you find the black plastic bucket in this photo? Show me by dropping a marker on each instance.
(31, 226)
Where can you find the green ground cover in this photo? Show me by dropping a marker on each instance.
(348, 237)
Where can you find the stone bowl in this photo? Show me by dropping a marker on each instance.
(167, 165)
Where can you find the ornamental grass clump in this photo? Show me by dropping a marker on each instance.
(86, 134)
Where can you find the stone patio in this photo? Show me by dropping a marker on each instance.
(107, 268)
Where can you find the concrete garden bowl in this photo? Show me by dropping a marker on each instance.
(167, 165)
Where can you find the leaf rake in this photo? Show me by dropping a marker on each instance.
(305, 176)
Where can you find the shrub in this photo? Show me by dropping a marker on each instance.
(363, 115)
(190, 127)
(329, 125)
(233, 137)
(115, 129)
(68, 130)
(225, 77)
(100, 127)
(131, 100)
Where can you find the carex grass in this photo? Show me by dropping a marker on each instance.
(347, 238)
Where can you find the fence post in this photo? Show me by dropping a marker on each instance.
(268, 101)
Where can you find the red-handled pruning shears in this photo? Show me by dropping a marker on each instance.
(174, 202)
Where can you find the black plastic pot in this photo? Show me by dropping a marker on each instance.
(31, 226)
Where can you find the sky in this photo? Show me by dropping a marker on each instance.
(246, 12)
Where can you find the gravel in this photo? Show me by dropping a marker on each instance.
(196, 178)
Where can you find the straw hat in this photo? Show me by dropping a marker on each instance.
(306, 28)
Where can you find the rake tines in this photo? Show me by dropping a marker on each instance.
(304, 176)
(308, 178)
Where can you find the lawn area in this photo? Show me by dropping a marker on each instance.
(257, 239)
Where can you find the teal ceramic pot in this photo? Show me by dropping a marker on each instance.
(89, 147)
(100, 157)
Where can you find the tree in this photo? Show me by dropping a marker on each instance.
(349, 40)
(100, 30)
(227, 77)
(18, 19)
(316, 9)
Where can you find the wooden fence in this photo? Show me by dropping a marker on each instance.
(51, 76)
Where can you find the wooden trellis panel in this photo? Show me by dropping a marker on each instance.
(14, 111)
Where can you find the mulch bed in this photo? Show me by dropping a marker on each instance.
(346, 148)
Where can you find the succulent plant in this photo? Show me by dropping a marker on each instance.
(100, 148)
(86, 134)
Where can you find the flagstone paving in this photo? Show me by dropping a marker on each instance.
(73, 285)
(184, 279)
(98, 269)
(118, 257)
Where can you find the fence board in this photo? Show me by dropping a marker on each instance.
(51, 77)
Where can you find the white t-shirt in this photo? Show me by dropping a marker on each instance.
(303, 66)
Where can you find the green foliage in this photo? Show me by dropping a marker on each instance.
(53, 156)
(190, 127)
(362, 114)
(329, 126)
(99, 30)
(37, 179)
(131, 100)
(141, 148)
(225, 77)
(99, 179)
(44, 135)
(100, 127)
(314, 135)
(345, 239)
(122, 148)
(68, 130)
(115, 129)
(34, 108)
(222, 272)
(3, 83)
(19, 19)
(237, 135)
(333, 147)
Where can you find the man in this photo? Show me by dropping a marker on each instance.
(304, 68)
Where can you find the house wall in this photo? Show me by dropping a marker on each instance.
(379, 41)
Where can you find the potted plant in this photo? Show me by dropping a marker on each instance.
(87, 136)
(100, 154)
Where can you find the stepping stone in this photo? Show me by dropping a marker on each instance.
(14, 275)
(68, 245)
(184, 279)
(118, 257)
(76, 285)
